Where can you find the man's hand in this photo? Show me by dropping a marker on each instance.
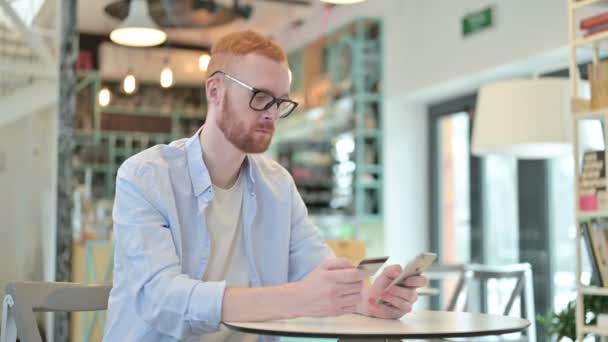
(334, 288)
(397, 301)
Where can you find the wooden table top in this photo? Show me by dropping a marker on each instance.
(421, 324)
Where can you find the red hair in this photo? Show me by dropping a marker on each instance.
(243, 43)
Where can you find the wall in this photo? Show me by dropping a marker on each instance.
(434, 51)
(427, 61)
(27, 198)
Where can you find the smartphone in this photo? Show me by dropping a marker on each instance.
(415, 267)
(372, 265)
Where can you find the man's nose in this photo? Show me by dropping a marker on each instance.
(271, 114)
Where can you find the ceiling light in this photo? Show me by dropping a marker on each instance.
(342, 2)
(138, 29)
(129, 83)
(203, 61)
(166, 76)
(104, 97)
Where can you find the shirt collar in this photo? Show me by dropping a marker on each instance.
(199, 174)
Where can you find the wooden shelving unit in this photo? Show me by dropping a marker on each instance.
(107, 136)
(351, 72)
(582, 110)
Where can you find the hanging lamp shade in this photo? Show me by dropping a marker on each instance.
(138, 29)
(527, 119)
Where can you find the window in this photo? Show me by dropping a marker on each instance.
(454, 201)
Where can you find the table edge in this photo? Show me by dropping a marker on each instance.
(397, 336)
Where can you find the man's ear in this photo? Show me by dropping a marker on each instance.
(213, 90)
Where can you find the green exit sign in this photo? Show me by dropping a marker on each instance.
(478, 21)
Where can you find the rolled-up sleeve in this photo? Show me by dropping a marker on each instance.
(307, 250)
(148, 265)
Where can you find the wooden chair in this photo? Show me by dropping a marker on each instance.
(24, 298)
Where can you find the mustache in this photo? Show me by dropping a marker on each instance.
(268, 126)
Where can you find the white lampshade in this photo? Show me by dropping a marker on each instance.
(528, 119)
(138, 29)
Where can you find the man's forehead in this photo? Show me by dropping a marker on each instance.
(262, 73)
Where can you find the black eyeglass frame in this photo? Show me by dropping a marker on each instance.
(254, 91)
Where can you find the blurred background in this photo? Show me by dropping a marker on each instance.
(385, 147)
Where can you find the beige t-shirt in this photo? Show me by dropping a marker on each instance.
(227, 260)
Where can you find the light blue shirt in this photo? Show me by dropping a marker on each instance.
(162, 241)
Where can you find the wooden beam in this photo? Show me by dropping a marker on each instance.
(28, 100)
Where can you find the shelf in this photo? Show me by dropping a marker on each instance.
(369, 133)
(122, 151)
(584, 3)
(131, 134)
(371, 97)
(582, 110)
(314, 184)
(590, 41)
(371, 168)
(592, 290)
(589, 329)
(369, 184)
(94, 168)
(591, 214)
(369, 219)
(152, 112)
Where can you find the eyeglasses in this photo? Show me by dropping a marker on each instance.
(262, 100)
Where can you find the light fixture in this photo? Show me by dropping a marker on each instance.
(138, 29)
(342, 2)
(129, 83)
(104, 97)
(528, 119)
(166, 76)
(203, 61)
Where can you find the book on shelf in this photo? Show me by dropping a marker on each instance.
(592, 182)
(594, 21)
(601, 237)
(594, 235)
(595, 30)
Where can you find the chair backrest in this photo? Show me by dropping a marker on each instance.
(24, 298)
(352, 250)
(467, 273)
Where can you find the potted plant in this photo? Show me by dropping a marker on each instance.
(563, 324)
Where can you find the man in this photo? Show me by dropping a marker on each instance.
(208, 230)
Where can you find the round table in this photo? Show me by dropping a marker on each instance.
(420, 324)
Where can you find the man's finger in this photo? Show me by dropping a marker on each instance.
(397, 302)
(388, 311)
(407, 294)
(337, 264)
(415, 281)
(348, 276)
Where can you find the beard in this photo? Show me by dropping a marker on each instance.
(245, 138)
